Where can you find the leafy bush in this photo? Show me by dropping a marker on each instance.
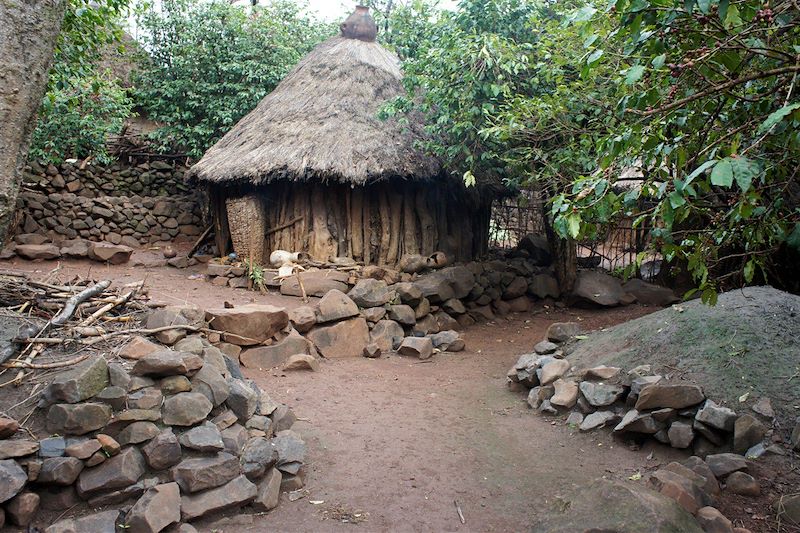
(82, 106)
(211, 63)
(709, 111)
(75, 120)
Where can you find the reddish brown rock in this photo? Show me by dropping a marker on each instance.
(664, 394)
(186, 409)
(420, 347)
(60, 470)
(276, 354)
(201, 473)
(11, 449)
(22, 508)
(8, 426)
(713, 521)
(114, 254)
(163, 451)
(336, 305)
(269, 491)
(302, 362)
(684, 491)
(249, 324)
(139, 347)
(303, 318)
(38, 252)
(104, 522)
(77, 419)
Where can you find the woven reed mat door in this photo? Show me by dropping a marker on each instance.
(248, 224)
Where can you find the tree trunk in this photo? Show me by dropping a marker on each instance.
(28, 33)
(565, 255)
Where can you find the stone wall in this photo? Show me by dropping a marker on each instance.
(130, 203)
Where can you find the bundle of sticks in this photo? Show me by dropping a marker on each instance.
(83, 313)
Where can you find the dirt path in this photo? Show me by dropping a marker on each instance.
(398, 441)
(402, 440)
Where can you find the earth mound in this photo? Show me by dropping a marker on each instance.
(745, 345)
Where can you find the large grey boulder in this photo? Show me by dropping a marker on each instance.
(598, 288)
(237, 492)
(650, 294)
(336, 305)
(342, 339)
(617, 507)
(12, 479)
(80, 383)
(370, 293)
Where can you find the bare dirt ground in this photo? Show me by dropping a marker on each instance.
(397, 444)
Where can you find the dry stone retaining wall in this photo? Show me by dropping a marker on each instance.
(146, 202)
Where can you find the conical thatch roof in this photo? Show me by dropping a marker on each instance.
(320, 123)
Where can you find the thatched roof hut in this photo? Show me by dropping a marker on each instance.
(312, 168)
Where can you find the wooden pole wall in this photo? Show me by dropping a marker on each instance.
(378, 224)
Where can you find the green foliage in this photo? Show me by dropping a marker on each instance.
(405, 27)
(88, 26)
(504, 98)
(211, 63)
(82, 105)
(709, 112)
(76, 120)
(255, 273)
(698, 98)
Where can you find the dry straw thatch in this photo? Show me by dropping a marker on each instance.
(321, 123)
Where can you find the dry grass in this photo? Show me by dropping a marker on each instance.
(321, 123)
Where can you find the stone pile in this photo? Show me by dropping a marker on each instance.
(637, 403)
(696, 485)
(454, 296)
(35, 247)
(145, 203)
(640, 404)
(168, 435)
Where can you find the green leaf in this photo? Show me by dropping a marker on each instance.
(634, 74)
(584, 14)
(704, 6)
(744, 171)
(699, 170)
(793, 241)
(594, 57)
(658, 61)
(676, 199)
(749, 270)
(723, 9)
(776, 117)
(722, 175)
(574, 224)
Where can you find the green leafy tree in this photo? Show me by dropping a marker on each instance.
(83, 103)
(709, 112)
(405, 27)
(507, 106)
(211, 63)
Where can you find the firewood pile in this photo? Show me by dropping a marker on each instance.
(51, 324)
